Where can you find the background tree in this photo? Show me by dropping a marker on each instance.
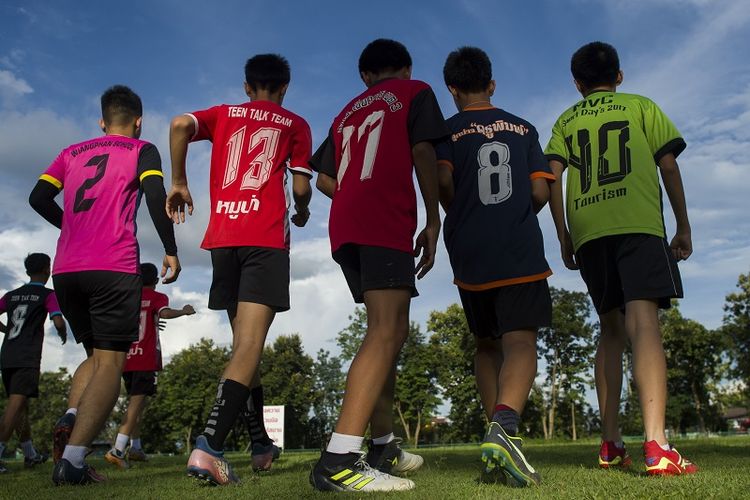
(567, 347)
(454, 349)
(328, 390)
(350, 338)
(737, 327)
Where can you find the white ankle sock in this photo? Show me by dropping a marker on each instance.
(135, 443)
(75, 455)
(384, 439)
(74, 411)
(121, 442)
(28, 449)
(344, 443)
(666, 447)
(619, 444)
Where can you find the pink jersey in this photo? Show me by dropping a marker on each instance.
(101, 179)
(253, 146)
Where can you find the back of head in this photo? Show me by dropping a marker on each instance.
(595, 64)
(36, 263)
(383, 55)
(468, 70)
(120, 106)
(149, 274)
(268, 72)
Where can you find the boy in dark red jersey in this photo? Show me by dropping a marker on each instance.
(141, 367)
(96, 268)
(493, 178)
(254, 145)
(21, 353)
(366, 167)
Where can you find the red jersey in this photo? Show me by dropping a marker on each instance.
(368, 152)
(253, 145)
(145, 355)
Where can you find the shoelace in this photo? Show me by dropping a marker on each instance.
(366, 469)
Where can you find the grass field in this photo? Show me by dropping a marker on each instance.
(567, 470)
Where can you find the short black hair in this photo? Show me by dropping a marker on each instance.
(267, 71)
(382, 55)
(468, 69)
(149, 274)
(595, 64)
(36, 263)
(120, 105)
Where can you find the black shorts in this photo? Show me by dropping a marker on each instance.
(103, 308)
(375, 268)
(23, 381)
(491, 313)
(249, 274)
(625, 267)
(140, 383)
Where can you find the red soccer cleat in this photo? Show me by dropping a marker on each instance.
(610, 456)
(665, 463)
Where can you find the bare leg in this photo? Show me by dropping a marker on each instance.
(608, 372)
(488, 359)
(249, 330)
(23, 427)
(133, 416)
(99, 396)
(81, 379)
(649, 365)
(518, 369)
(11, 418)
(387, 328)
(381, 422)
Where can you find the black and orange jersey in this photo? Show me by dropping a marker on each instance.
(491, 231)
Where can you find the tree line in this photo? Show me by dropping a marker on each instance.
(708, 372)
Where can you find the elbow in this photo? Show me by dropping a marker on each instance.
(540, 195)
(182, 124)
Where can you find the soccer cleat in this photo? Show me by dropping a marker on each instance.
(610, 456)
(263, 456)
(660, 462)
(209, 465)
(37, 459)
(355, 476)
(137, 455)
(3, 467)
(391, 459)
(61, 435)
(499, 450)
(117, 459)
(65, 473)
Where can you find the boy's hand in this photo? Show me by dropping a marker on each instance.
(63, 334)
(427, 246)
(173, 263)
(162, 325)
(301, 217)
(177, 199)
(188, 310)
(682, 245)
(567, 253)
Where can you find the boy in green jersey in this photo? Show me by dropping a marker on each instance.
(616, 143)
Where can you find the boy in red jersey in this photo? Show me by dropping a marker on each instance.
(96, 268)
(254, 145)
(141, 367)
(366, 167)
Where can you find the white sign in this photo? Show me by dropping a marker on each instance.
(273, 416)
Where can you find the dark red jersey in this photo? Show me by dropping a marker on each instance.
(368, 152)
(145, 355)
(253, 146)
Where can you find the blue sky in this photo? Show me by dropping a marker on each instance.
(57, 57)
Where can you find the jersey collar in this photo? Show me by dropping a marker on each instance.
(35, 283)
(478, 107)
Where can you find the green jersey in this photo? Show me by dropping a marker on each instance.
(614, 142)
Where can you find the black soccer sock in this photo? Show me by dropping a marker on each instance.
(508, 418)
(231, 396)
(252, 414)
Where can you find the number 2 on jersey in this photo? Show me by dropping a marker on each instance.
(82, 204)
(261, 164)
(372, 125)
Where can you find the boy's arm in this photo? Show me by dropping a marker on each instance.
(682, 244)
(42, 200)
(181, 131)
(62, 330)
(169, 313)
(557, 210)
(326, 184)
(324, 163)
(425, 165)
(446, 188)
(302, 195)
(540, 193)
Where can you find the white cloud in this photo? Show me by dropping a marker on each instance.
(12, 87)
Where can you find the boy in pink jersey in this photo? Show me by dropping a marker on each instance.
(96, 268)
(254, 145)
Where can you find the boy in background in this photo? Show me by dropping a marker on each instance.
(142, 364)
(616, 144)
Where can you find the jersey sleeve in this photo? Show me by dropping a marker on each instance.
(161, 302)
(301, 149)
(426, 122)
(444, 153)
(149, 162)
(661, 134)
(50, 303)
(324, 161)
(3, 304)
(556, 149)
(538, 164)
(55, 173)
(205, 123)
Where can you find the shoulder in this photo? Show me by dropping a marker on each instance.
(297, 120)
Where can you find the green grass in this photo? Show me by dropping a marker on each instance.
(568, 471)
